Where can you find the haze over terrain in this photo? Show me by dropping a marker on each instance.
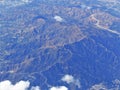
(59, 44)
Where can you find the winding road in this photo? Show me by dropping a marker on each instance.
(101, 27)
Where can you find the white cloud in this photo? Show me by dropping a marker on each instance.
(7, 85)
(21, 85)
(58, 18)
(59, 88)
(70, 79)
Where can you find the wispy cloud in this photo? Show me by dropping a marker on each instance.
(101, 86)
(98, 87)
(14, 3)
(27, 1)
